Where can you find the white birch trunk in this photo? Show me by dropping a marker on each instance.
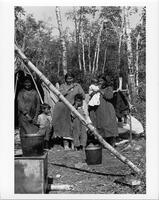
(58, 66)
(105, 57)
(137, 63)
(83, 50)
(120, 39)
(77, 29)
(63, 44)
(131, 77)
(89, 52)
(96, 53)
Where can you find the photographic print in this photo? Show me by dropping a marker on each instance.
(80, 100)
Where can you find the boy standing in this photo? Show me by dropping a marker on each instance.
(45, 123)
(79, 130)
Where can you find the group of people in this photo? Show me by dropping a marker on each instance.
(97, 109)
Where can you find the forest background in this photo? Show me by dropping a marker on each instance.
(100, 41)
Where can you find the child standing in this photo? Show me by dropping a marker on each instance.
(79, 130)
(94, 94)
(45, 123)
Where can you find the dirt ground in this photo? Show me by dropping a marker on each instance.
(70, 167)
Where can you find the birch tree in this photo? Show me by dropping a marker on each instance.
(96, 52)
(89, 51)
(83, 50)
(63, 44)
(131, 77)
(105, 57)
(137, 63)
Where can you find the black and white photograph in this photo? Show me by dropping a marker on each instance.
(80, 99)
(79, 79)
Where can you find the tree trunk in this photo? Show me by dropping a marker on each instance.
(105, 57)
(63, 44)
(137, 64)
(98, 49)
(77, 29)
(94, 61)
(83, 50)
(131, 77)
(120, 39)
(58, 66)
(89, 52)
(80, 117)
(44, 61)
(96, 53)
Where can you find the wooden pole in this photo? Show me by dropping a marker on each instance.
(81, 118)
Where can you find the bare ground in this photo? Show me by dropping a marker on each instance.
(69, 167)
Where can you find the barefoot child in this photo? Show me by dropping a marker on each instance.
(79, 130)
(45, 123)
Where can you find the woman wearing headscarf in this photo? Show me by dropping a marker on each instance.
(62, 114)
(28, 107)
(103, 116)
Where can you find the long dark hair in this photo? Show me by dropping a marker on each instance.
(107, 79)
(69, 75)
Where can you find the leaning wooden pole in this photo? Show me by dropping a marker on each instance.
(81, 118)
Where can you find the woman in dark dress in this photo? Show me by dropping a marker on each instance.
(103, 116)
(62, 114)
(28, 108)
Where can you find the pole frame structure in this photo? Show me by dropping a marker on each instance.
(81, 118)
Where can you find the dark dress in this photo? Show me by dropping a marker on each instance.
(62, 114)
(103, 116)
(28, 103)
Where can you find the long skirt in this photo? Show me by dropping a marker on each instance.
(62, 121)
(104, 119)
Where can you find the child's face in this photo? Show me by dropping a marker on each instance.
(78, 103)
(96, 83)
(27, 85)
(46, 110)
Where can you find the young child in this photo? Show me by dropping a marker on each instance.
(79, 130)
(94, 98)
(45, 123)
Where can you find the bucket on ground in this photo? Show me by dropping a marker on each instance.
(32, 144)
(93, 154)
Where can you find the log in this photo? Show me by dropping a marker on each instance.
(81, 118)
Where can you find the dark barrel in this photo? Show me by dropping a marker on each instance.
(93, 155)
(32, 144)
